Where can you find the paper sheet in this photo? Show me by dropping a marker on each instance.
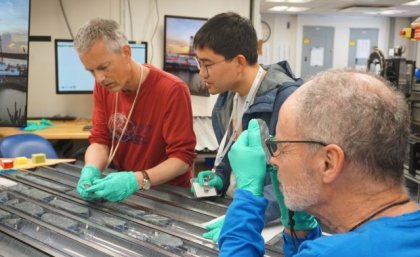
(363, 49)
(317, 56)
(270, 230)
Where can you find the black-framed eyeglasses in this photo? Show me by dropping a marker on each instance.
(205, 67)
(273, 144)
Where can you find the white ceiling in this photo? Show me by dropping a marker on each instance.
(321, 7)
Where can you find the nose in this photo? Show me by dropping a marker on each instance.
(99, 76)
(272, 160)
(203, 72)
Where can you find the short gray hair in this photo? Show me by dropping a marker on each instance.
(360, 112)
(99, 28)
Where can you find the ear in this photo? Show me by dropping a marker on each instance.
(333, 163)
(241, 60)
(126, 50)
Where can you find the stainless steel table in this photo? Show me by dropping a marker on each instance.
(45, 215)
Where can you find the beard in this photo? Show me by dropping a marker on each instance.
(303, 193)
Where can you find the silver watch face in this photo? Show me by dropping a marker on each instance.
(146, 184)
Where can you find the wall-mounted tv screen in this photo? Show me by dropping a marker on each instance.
(179, 54)
(71, 77)
(14, 53)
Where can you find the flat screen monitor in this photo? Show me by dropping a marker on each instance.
(179, 54)
(71, 76)
(14, 55)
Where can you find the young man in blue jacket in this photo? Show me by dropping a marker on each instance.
(339, 151)
(226, 50)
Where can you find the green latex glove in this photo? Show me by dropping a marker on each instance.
(248, 161)
(213, 179)
(33, 126)
(115, 187)
(46, 122)
(303, 220)
(214, 229)
(88, 175)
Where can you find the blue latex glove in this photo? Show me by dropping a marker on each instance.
(115, 187)
(248, 161)
(303, 220)
(214, 229)
(88, 175)
(213, 179)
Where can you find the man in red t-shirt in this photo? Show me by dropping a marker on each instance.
(142, 119)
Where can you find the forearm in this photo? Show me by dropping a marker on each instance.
(242, 236)
(97, 155)
(164, 172)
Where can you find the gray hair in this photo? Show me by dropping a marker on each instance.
(99, 28)
(363, 114)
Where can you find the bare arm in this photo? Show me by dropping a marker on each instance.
(163, 172)
(97, 155)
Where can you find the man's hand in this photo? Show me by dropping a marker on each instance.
(248, 161)
(214, 229)
(115, 187)
(212, 179)
(88, 175)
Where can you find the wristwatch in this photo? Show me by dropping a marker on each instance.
(146, 181)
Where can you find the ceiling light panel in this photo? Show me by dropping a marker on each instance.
(413, 3)
(391, 12)
(297, 9)
(278, 8)
(289, 1)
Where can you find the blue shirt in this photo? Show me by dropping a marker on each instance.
(384, 237)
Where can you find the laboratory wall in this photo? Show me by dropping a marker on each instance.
(285, 42)
(144, 20)
(145, 23)
(396, 40)
(281, 44)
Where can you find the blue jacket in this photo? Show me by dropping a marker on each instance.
(385, 236)
(278, 83)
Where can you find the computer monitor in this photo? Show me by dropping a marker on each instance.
(179, 53)
(14, 62)
(71, 76)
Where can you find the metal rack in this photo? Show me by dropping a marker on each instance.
(44, 215)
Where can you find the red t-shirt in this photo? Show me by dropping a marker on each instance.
(160, 127)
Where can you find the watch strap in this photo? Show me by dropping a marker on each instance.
(146, 180)
(145, 175)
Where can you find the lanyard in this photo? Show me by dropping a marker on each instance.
(114, 148)
(224, 147)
